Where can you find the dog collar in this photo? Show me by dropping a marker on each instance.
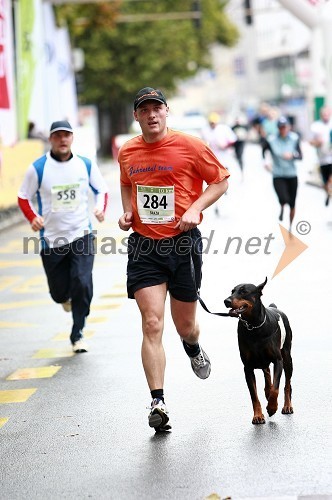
(249, 326)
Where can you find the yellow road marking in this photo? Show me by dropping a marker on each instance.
(32, 285)
(16, 395)
(52, 353)
(39, 372)
(11, 324)
(105, 306)
(120, 285)
(96, 320)
(65, 335)
(23, 303)
(3, 421)
(4, 264)
(13, 246)
(7, 281)
(114, 295)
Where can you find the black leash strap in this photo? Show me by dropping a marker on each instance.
(192, 267)
(207, 310)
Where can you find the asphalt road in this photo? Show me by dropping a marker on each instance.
(75, 426)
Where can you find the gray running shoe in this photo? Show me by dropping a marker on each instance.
(158, 417)
(201, 364)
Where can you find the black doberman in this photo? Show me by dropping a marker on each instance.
(264, 337)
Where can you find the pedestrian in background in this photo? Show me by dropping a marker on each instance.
(240, 129)
(269, 123)
(34, 133)
(321, 139)
(61, 181)
(162, 174)
(265, 122)
(220, 138)
(284, 148)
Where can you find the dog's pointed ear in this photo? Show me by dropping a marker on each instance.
(262, 285)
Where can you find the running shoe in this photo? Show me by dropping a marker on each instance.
(67, 305)
(201, 364)
(80, 346)
(158, 417)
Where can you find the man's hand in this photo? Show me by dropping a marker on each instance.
(99, 214)
(126, 221)
(37, 223)
(190, 219)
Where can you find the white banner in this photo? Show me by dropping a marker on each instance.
(51, 76)
(67, 87)
(54, 92)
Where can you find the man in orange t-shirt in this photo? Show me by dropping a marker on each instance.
(162, 175)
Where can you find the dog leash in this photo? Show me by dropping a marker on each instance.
(246, 324)
(192, 268)
(207, 310)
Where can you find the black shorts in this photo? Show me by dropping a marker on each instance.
(176, 261)
(326, 171)
(286, 189)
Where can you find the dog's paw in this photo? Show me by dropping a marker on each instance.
(271, 409)
(272, 404)
(287, 410)
(258, 419)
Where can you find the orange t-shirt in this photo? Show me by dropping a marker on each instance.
(166, 178)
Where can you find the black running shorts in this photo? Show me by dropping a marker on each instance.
(286, 189)
(176, 261)
(326, 171)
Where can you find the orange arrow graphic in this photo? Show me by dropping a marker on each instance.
(294, 247)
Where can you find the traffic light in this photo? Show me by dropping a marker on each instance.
(196, 9)
(247, 12)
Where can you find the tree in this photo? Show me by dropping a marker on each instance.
(121, 57)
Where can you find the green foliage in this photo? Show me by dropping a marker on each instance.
(121, 57)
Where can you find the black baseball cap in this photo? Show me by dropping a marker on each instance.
(61, 125)
(148, 93)
(283, 121)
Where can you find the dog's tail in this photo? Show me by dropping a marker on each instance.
(273, 305)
